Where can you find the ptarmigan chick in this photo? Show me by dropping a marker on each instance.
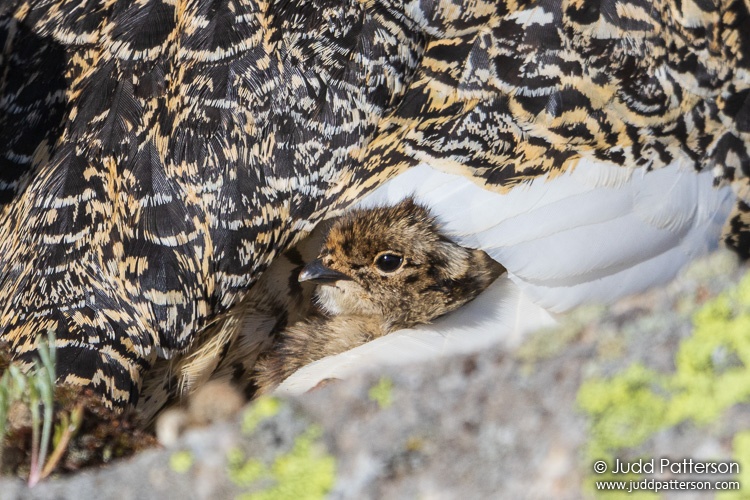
(380, 270)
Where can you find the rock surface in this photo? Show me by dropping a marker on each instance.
(641, 379)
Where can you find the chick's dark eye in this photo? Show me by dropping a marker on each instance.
(389, 262)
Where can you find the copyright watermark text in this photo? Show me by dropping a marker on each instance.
(665, 466)
(672, 484)
(666, 469)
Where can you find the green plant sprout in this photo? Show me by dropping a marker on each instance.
(35, 389)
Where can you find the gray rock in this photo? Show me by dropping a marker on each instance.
(490, 424)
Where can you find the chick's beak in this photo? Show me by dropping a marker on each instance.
(316, 272)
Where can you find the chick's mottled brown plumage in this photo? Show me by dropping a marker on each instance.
(380, 270)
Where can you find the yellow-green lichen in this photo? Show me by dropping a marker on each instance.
(382, 393)
(713, 365)
(263, 408)
(181, 461)
(741, 447)
(306, 472)
(625, 410)
(712, 374)
(244, 472)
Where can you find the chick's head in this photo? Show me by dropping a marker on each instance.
(395, 263)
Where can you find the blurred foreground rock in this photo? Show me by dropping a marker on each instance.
(635, 380)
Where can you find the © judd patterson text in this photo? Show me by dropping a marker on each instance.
(666, 465)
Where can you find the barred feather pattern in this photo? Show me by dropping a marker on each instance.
(158, 155)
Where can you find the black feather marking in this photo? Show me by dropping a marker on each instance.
(143, 27)
(124, 115)
(224, 30)
(32, 107)
(738, 107)
(163, 212)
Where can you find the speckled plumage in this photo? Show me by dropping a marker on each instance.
(158, 155)
(227, 349)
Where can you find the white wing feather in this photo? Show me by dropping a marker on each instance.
(568, 240)
(595, 234)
